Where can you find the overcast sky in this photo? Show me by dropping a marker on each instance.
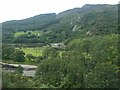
(21, 9)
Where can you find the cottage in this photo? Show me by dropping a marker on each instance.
(58, 45)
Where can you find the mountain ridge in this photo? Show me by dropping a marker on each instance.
(77, 22)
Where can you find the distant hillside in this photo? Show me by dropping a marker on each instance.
(37, 22)
(74, 23)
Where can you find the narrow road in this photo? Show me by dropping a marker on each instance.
(28, 70)
(24, 66)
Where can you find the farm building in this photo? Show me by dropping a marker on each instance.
(58, 45)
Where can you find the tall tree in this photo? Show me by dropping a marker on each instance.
(19, 56)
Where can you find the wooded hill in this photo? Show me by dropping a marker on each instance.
(89, 58)
(73, 23)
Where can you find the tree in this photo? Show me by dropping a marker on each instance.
(19, 70)
(50, 52)
(30, 57)
(39, 59)
(7, 51)
(19, 56)
(103, 76)
(13, 80)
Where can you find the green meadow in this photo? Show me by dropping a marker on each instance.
(36, 51)
(17, 34)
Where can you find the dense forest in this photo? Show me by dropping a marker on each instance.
(77, 48)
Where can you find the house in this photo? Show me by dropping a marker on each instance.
(57, 45)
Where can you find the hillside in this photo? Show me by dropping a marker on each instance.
(77, 48)
(73, 23)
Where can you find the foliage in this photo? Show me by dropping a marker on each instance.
(90, 59)
(12, 80)
(30, 57)
(104, 75)
(19, 56)
(7, 51)
(59, 27)
(19, 70)
(87, 63)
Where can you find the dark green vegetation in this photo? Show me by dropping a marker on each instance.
(89, 59)
(74, 23)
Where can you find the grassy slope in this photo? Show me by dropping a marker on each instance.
(36, 51)
(17, 34)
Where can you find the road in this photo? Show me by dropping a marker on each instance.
(28, 70)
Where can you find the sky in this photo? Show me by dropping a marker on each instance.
(21, 9)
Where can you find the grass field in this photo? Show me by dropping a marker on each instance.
(22, 33)
(18, 34)
(36, 51)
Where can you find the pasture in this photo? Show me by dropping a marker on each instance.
(19, 33)
(35, 51)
